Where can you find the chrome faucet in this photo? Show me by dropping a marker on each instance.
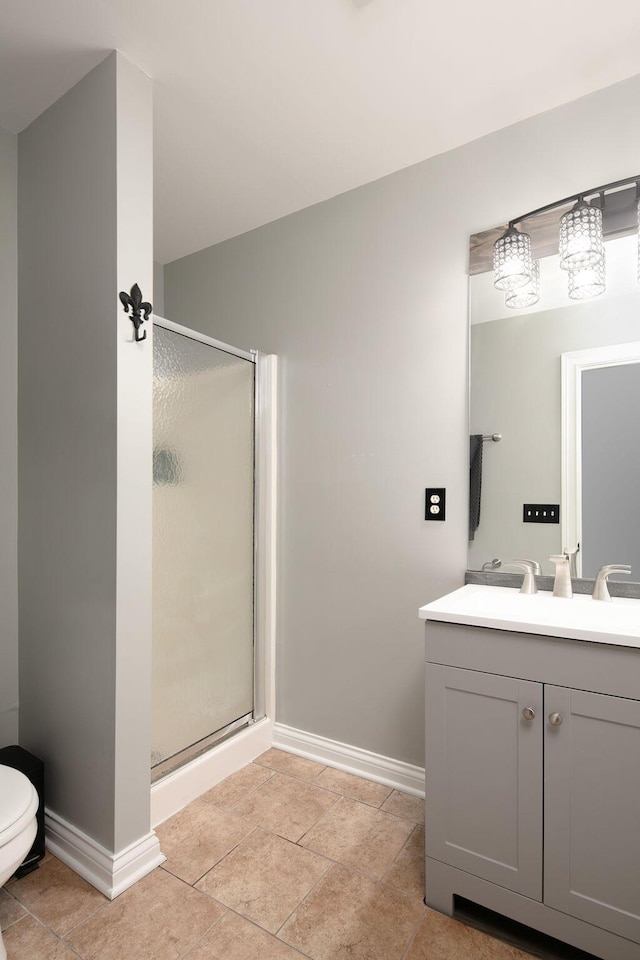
(600, 587)
(562, 580)
(530, 567)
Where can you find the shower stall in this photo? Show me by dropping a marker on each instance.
(213, 526)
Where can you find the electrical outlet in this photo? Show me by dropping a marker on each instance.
(541, 513)
(435, 502)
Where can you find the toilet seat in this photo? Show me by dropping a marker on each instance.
(18, 803)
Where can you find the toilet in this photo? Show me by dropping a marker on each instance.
(18, 825)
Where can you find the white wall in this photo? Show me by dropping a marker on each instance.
(8, 438)
(85, 233)
(364, 298)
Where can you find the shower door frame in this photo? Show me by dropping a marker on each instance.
(264, 505)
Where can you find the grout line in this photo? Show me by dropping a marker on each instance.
(61, 937)
(399, 815)
(270, 934)
(287, 773)
(215, 923)
(258, 827)
(15, 922)
(402, 849)
(231, 809)
(412, 938)
(89, 916)
(46, 926)
(227, 854)
(307, 894)
(324, 813)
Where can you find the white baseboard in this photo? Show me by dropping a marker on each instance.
(110, 873)
(393, 773)
(179, 788)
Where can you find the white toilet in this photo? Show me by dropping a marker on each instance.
(18, 826)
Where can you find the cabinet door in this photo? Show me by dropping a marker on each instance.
(592, 808)
(484, 776)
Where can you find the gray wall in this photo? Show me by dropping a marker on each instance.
(364, 298)
(158, 289)
(515, 391)
(75, 187)
(9, 438)
(611, 468)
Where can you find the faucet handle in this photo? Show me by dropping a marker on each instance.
(600, 588)
(528, 581)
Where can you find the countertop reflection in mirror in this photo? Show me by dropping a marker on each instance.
(516, 389)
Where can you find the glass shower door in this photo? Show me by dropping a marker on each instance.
(203, 544)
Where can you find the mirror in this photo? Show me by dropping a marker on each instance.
(569, 439)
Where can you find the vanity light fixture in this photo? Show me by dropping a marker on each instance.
(584, 223)
(581, 240)
(586, 282)
(512, 260)
(528, 294)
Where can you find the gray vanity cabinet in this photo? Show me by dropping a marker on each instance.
(592, 809)
(484, 784)
(518, 725)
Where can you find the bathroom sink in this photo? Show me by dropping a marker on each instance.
(505, 608)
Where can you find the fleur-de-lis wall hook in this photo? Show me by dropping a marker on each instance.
(138, 306)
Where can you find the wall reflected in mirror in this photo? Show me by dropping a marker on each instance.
(517, 390)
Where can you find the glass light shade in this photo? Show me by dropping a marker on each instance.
(581, 243)
(512, 260)
(526, 295)
(587, 282)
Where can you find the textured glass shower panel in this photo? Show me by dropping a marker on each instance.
(203, 466)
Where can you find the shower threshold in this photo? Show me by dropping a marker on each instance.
(178, 760)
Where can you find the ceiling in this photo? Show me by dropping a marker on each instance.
(263, 107)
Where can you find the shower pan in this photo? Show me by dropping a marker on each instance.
(209, 640)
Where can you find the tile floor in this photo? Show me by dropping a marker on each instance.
(286, 859)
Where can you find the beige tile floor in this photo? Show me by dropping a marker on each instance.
(286, 859)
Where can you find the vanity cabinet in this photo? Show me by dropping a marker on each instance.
(484, 783)
(533, 782)
(592, 809)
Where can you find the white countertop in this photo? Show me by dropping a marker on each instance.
(505, 608)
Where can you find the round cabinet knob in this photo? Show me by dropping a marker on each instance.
(529, 713)
(555, 719)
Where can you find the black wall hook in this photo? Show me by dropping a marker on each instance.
(138, 306)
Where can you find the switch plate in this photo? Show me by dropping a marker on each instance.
(435, 502)
(541, 513)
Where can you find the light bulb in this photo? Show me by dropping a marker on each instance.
(587, 282)
(581, 243)
(512, 260)
(526, 295)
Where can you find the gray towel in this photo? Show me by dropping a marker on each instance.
(475, 482)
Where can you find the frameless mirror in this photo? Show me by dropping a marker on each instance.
(560, 382)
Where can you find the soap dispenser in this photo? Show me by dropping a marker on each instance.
(562, 580)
